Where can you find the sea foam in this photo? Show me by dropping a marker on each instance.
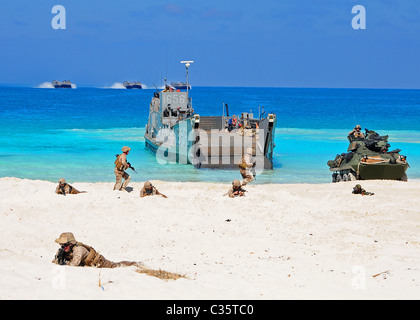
(116, 85)
(46, 85)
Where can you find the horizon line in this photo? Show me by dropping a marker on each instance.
(14, 85)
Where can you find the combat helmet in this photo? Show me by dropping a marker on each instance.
(62, 181)
(236, 183)
(148, 184)
(125, 149)
(66, 237)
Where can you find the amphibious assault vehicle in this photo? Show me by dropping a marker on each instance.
(368, 158)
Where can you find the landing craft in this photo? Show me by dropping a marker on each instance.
(177, 134)
(66, 84)
(180, 85)
(132, 85)
(369, 159)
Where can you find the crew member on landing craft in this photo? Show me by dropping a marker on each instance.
(232, 123)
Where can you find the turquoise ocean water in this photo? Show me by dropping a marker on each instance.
(48, 134)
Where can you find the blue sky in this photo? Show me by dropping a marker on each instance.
(275, 43)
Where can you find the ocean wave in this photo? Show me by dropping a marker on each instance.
(102, 130)
(46, 85)
(336, 135)
(110, 134)
(116, 85)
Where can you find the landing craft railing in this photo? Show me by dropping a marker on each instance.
(214, 148)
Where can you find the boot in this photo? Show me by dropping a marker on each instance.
(125, 184)
(117, 186)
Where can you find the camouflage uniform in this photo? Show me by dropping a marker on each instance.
(246, 166)
(121, 164)
(357, 134)
(236, 190)
(150, 190)
(81, 255)
(359, 190)
(64, 188)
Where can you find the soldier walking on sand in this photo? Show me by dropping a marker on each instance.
(77, 254)
(247, 166)
(121, 165)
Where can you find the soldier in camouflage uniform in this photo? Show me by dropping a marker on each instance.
(64, 188)
(359, 190)
(246, 167)
(236, 190)
(121, 164)
(356, 132)
(149, 190)
(77, 254)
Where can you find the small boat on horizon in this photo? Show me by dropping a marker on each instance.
(66, 84)
(132, 85)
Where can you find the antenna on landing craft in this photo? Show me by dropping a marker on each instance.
(187, 65)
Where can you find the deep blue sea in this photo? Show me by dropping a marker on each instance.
(48, 134)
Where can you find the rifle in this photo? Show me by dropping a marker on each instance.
(129, 164)
(63, 190)
(132, 168)
(149, 192)
(157, 90)
(243, 190)
(60, 257)
(253, 171)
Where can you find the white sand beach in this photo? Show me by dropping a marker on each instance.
(285, 241)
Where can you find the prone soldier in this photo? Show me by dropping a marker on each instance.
(77, 254)
(236, 190)
(149, 190)
(64, 188)
(359, 190)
